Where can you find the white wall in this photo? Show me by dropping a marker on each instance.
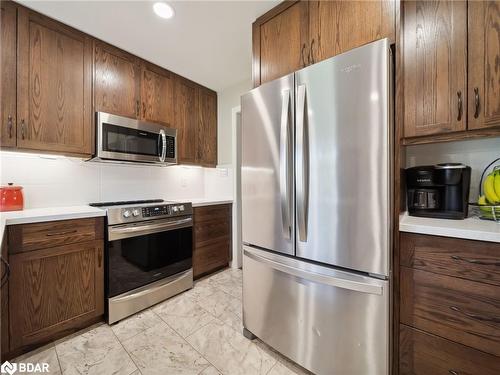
(477, 154)
(61, 181)
(227, 99)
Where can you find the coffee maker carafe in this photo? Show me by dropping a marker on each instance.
(438, 191)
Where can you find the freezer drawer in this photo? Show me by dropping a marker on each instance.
(328, 321)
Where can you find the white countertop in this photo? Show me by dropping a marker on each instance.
(199, 202)
(471, 228)
(37, 215)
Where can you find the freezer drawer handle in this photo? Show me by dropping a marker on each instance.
(285, 148)
(316, 277)
(302, 155)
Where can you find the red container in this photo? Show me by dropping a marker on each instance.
(11, 198)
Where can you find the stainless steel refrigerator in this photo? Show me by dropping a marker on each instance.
(316, 212)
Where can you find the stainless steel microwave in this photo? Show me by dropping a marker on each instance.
(121, 139)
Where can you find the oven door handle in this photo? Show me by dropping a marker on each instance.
(128, 230)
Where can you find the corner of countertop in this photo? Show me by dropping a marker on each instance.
(471, 228)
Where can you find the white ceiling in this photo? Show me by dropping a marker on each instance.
(208, 42)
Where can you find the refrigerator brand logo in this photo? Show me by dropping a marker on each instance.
(350, 68)
(423, 180)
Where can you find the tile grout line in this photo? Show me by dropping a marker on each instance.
(126, 351)
(188, 343)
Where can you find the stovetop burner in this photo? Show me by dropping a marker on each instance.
(122, 203)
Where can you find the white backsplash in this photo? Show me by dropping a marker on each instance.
(477, 154)
(61, 181)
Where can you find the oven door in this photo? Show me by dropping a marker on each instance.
(124, 139)
(144, 252)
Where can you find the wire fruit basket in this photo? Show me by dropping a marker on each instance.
(488, 205)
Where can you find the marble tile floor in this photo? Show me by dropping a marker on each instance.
(196, 332)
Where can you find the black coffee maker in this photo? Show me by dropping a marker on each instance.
(438, 191)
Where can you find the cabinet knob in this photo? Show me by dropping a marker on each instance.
(9, 125)
(23, 129)
(476, 102)
(302, 54)
(99, 258)
(459, 95)
(311, 52)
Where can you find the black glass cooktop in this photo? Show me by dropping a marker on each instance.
(120, 203)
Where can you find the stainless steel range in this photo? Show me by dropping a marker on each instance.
(148, 254)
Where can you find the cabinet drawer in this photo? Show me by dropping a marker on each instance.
(472, 260)
(28, 237)
(211, 231)
(460, 310)
(424, 354)
(212, 213)
(209, 258)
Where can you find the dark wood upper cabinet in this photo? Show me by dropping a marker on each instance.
(434, 64)
(54, 83)
(338, 26)
(157, 86)
(8, 74)
(185, 120)
(206, 153)
(281, 41)
(484, 64)
(116, 81)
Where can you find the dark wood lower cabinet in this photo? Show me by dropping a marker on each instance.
(449, 306)
(425, 354)
(54, 290)
(212, 238)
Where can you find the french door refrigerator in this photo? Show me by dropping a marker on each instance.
(316, 212)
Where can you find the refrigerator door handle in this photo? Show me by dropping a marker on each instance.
(285, 156)
(302, 154)
(338, 282)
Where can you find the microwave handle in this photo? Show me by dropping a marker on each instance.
(163, 137)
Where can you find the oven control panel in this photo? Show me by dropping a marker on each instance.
(156, 211)
(130, 214)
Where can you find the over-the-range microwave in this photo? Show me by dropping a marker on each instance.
(125, 140)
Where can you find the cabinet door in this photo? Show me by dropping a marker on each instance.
(186, 118)
(8, 74)
(484, 64)
(424, 354)
(212, 238)
(116, 81)
(54, 290)
(206, 148)
(435, 59)
(156, 95)
(338, 26)
(283, 42)
(4, 303)
(54, 81)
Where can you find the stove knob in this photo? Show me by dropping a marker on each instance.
(126, 213)
(174, 209)
(181, 207)
(135, 213)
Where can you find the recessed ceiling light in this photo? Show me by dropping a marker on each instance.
(163, 10)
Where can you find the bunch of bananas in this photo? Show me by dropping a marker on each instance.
(491, 197)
